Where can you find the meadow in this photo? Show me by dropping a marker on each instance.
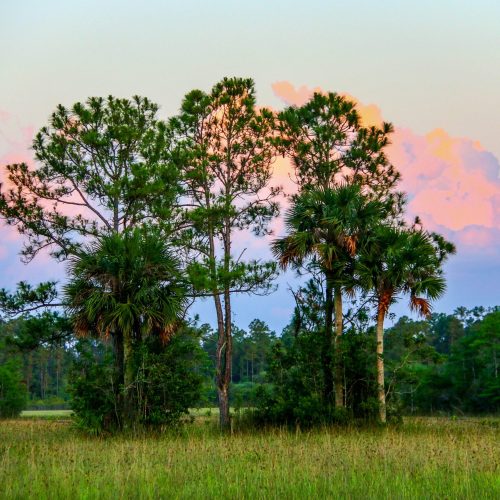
(422, 458)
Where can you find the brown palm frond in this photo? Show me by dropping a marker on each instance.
(351, 245)
(81, 327)
(168, 331)
(385, 300)
(421, 305)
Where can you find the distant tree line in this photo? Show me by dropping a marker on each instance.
(447, 364)
(145, 214)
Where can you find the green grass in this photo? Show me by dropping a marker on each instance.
(46, 413)
(425, 458)
(58, 414)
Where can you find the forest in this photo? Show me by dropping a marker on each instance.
(146, 214)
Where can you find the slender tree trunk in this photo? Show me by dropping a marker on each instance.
(224, 381)
(129, 382)
(327, 359)
(220, 354)
(380, 364)
(118, 351)
(119, 374)
(222, 389)
(339, 372)
(225, 354)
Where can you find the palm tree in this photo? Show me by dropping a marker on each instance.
(325, 227)
(399, 261)
(125, 286)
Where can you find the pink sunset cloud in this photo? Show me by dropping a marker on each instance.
(370, 113)
(453, 184)
(15, 141)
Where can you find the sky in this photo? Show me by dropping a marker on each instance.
(431, 68)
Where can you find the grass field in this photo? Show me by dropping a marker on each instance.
(61, 414)
(424, 458)
(46, 413)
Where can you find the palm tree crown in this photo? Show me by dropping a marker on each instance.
(400, 261)
(327, 224)
(125, 283)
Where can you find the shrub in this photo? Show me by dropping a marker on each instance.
(94, 398)
(13, 393)
(169, 379)
(168, 382)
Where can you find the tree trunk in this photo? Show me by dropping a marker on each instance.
(339, 372)
(326, 354)
(29, 374)
(221, 369)
(119, 374)
(380, 364)
(224, 367)
(129, 383)
(118, 351)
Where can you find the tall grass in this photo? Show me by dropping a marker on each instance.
(424, 458)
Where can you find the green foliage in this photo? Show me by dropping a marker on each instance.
(254, 276)
(94, 395)
(326, 225)
(398, 261)
(49, 329)
(168, 382)
(106, 159)
(328, 146)
(444, 365)
(28, 298)
(126, 287)
(169, 378)
(251, 354)
(146, 213)
(293, 395)
(228, 147)
(126, 284)
(13, 393)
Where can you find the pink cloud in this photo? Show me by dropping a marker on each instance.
(291, 95)
(453, 184)
(477, 236)
(370, 113)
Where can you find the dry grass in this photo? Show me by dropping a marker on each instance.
(425, 458)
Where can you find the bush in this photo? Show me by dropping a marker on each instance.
(168, 382)
(169, 379)
(294, 394)
(94, 398)
(13, 393)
